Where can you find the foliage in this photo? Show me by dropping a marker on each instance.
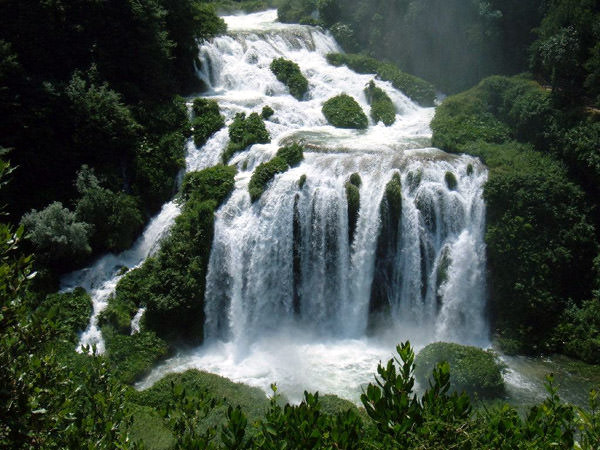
(263, 174)
(131, 356)
(118, 313)
(342, 111)
(70, 311)
(207, 120)
(578, 333)
(539, 230)
(295, 10)
(450, 180)
(353, 199)
(415, 88)
(288, 72)
(382, 108)
(57, 237)
(115, 217)
(171, 284)
(267, 112)
(292, 154)
(244, 132)
(473, 370)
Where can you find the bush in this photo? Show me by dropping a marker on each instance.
(578, 333)
(263, 175)
(359, 63)
(267, 112)
(289, 156)
(292, 154)
(244, 132)
(171, 284)
(302, 181)
(472, 369)
(59, 240)
(207, 120)
(382, 108)
(118, 314)
(288, 72)
(116, 217)
(355, 180)
(132, 356)
(214, 183)
(293, 11)
(343, 111)
(71, 311)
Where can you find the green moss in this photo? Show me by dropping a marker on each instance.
(415, 88)
(353, 198)
(302, 181)
(343, 111)
(263, 175)
(214, 183)
(450, 180)
(132, 356)
(382, 108)
(393, 195)
(413, 179)
(207, 120)
(243, 132)
(288, 72)
(355, 180)
(267, 112)
(472, 369)
(470, 169)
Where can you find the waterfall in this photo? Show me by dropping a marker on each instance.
(295, 293)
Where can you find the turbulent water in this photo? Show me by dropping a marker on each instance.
(291, 297)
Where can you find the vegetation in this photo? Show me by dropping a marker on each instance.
(244, 132)
(342, 111)
(450, 180)
(207, 120)
(289, 156)
(473, 370)
(353, 198)
(267, 112)
(171, 284)
(288, 72)
(416, 89)
(382, 108)
(540, 229)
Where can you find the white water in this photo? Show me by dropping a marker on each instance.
(263, 323)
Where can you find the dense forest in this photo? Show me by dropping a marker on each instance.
(92, 139)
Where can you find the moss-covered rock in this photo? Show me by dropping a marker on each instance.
(302, 181)
(382, 108)
(353, 198)
(355, 180)
(244, 132)
(413, 179)
(207, 120)
(472, 369)
(213, 183)
(293, 154)
(263, 175)
(451, 181)
(343, 111)
(118, 314)
(288, 72)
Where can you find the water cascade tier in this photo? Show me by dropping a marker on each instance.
(305, 288)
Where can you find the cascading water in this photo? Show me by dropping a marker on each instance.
(292, 296)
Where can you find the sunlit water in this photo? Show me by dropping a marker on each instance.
(310, 328)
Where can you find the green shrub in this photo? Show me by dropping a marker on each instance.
(288, 72)
(71, 311)
(263, 174)
(292, 154)
(382, 108)
(450, 180)
(413, 179)
(171, 284)
(118, 314)
(267, 112)
(58, 238)
(343, 111)
(214, 183)
(132, 356)
(471, 369)
(244, 132)
(207, 121)
(293, 11)
(359, 63)
(115, 216)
